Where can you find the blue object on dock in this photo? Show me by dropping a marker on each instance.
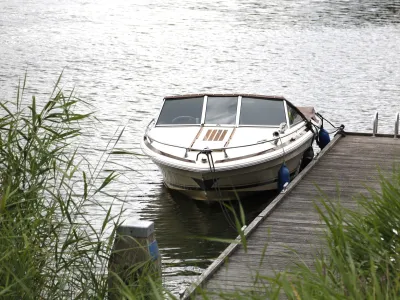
(323, 138)
(283, 176)
(153, 249)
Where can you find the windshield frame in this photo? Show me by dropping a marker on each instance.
(238, 111)
(263, 125)
(179, 125)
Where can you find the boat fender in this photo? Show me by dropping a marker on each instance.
(323, 138)
(308, 156)
(283, 177)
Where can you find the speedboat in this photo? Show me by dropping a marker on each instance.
(217, 147)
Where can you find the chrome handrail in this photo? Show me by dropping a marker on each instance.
(187, 149)
(396, 126)
(148, 126)
(375, 124)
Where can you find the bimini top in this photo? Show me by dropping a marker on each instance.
(236, 110)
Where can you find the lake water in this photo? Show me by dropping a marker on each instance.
(124, 56)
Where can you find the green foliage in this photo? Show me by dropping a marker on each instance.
(48, 248)
(362, 257)
(141, 281)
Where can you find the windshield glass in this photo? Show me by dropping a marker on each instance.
(267, 112)
(221, 110)
(294, 117)
(181, 111)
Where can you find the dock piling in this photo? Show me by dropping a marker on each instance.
(135, 253)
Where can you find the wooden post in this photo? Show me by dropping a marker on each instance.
(135, 254)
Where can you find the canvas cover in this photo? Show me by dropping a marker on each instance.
(308, 112)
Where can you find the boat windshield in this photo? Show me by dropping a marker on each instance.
(256, 111)
(181, 111)
(221, 110)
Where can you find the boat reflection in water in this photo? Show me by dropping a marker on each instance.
(186, 229)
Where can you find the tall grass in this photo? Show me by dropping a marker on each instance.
(48, 247)
(362, 257)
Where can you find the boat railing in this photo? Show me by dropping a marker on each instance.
(221, 149)
(148, 125)
(375, 125)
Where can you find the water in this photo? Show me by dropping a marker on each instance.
(123, 56)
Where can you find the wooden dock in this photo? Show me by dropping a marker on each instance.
(291, 223)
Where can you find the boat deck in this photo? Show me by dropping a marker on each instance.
(290, 223)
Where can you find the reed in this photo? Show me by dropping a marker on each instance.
(362, 258)
(48, 247)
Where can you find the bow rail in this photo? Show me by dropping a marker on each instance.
(151, 140)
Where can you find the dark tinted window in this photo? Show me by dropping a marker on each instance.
(262, 112)
(294, 117)
(181, 111)
(221, 110)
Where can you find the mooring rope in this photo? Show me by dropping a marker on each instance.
(211, 165)
(338, 129)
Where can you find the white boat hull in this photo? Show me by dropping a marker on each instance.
(234, 183)
(217, 147)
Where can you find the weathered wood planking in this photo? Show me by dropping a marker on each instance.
(290, 223)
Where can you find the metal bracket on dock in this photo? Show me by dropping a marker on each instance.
(284, 187)
(375, 124)
(396, 126)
